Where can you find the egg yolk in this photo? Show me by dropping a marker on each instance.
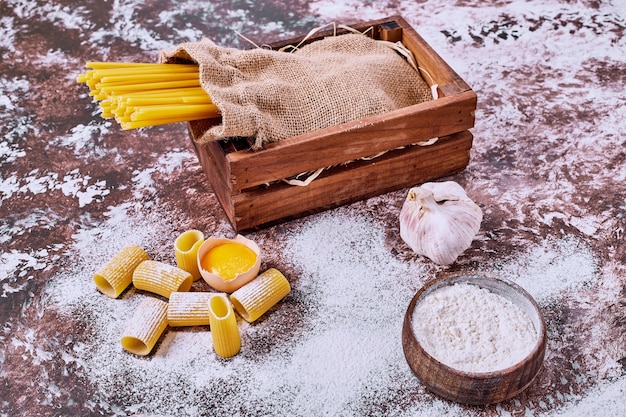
(228, 260)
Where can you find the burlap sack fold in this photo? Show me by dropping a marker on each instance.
(269, 95)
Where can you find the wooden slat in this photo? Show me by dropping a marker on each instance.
(359, 180)
(352, 140)
(211, 162)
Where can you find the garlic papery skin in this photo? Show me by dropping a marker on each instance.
(438, 220)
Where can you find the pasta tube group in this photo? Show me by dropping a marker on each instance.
(117, 274)
(224, 330)
(250, 298)
(186, 251)
(255, 298)
(145, 327)
(189, 308)
(161, 278)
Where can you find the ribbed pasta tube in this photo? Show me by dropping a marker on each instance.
(224, 330)
(161, 278)
(117, 274)
(145, 327)
(186, 250)
(255, 298)
(189, 308)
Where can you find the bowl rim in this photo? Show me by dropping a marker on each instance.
(464, 277)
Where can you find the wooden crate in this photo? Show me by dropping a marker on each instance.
(248, 183)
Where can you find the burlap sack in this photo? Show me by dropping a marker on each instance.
(268, 95)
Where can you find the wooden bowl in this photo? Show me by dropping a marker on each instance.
(478, 388)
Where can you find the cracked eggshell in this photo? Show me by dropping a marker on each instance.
(217, 282)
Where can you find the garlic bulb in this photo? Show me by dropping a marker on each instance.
(439, 221)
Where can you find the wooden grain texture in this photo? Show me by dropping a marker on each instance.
(216, 172)
(343, 143)
(352, 140)
(472, 387)
(356, 181)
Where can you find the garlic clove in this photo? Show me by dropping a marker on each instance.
(439, 221)
(448, 190)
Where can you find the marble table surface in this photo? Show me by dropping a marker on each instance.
(548, 169)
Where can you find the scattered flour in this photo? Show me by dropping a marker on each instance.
(606, 399)
(127, 28)
(331, 347)
(546, 270)
(349, 300)
(472, 329)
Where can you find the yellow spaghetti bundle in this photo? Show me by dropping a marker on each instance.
(142, 94)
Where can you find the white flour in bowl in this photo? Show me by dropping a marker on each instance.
(472, 329)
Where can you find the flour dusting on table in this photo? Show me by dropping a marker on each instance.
(337, 335)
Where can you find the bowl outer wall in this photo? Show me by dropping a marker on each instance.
(471, 387)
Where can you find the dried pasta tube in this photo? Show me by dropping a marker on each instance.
(117, 274)
(224, 330)
(145, 327)
(189, 308)
(161, 278)
(186, 250)
(255, 298)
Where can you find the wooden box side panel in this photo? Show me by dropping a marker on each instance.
(209, 156)
(353, 140)
(395, 170)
